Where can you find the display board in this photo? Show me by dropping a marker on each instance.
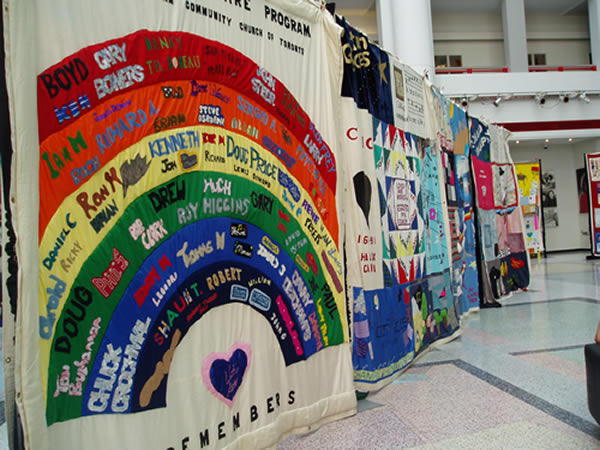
(592, 165)
(529, 180)
(191, 287)
(504, 259)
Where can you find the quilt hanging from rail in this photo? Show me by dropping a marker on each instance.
(191, 283)
(529, 179)
(452, 135)
(504, 259)
(398, 263)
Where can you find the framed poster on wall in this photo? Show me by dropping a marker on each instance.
(592, 165)
(549, 201)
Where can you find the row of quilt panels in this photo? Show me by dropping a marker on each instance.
(134, 277)
(432, 224)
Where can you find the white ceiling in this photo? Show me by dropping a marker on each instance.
(458, 6)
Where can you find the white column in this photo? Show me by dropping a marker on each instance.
(413, 35)
(515, 36)
(594, 18)
(385, 25)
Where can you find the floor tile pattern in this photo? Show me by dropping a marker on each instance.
(514, 378)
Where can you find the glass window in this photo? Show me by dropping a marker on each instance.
(455, 60)
(441, 61)
(539, 59)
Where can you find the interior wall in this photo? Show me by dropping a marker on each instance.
(554, 26)
(467, 26)
(572, 52)
(483, 53)
(479, 38)
(562, 160)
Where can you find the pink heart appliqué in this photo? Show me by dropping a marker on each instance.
(223, 374)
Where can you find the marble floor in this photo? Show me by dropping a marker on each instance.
(3, 430)
(515, 378)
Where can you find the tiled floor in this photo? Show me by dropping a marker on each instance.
(3, 431)
(515, 378)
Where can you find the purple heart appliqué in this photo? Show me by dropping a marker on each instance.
(223, 374)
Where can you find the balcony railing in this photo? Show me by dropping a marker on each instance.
(468, 70)
(587, 67)
(462, 70)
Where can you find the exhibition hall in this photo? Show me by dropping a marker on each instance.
(300, 224)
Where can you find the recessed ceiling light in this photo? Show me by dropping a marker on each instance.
(547, 140)
(570, 139)
(517, 142)
(583, 97)
(539, 99)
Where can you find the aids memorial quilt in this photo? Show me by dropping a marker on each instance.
(397, 255)
(191, 286)
(504, 258)
(453, 138)
(529, 179)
